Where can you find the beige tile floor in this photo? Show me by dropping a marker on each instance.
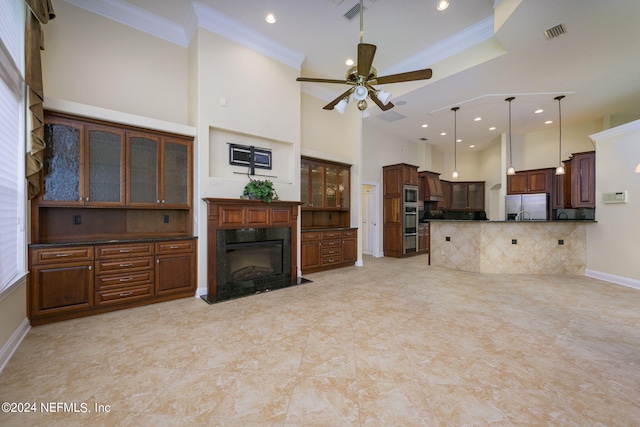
(393, 343)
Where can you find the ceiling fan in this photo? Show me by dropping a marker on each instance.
(363, 76)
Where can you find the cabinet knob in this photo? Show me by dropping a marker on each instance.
(86, 199)
(157, 261)
(158, 201)
(90, 268)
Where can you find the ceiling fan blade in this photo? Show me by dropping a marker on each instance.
(309, 79)
(366, 52)
(379, 103)
(404, 77)
(333, 103)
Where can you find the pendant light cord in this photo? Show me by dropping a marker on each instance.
(559, 98)
(455, 138)
(510, 154)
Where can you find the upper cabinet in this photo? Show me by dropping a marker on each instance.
(531, 181)
(583, 180)
(89, 164)
(324, 185)
(159, 171)
(83, 164)
(467, 195)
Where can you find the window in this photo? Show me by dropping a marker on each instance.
(12, 144)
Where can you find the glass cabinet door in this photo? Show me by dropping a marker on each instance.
(317, 186)
(344, 179)
(304, 184)
(143, 170)
(106, 167)
(62, 170)
(458, 196)
(331, 187)
(176, 172)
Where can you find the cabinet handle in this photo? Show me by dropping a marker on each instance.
(162, 200)
(122, 251)
(158, 201)
(173, 247)
(90, 268)
(62, 255)
(86, 199)
(125, 279)
(157, 261)
(126, 294)
(126, 265)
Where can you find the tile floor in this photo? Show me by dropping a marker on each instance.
(393, 343)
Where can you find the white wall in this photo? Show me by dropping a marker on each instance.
(612, 243)
(95, 61)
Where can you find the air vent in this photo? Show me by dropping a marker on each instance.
(391, 116)
(554, 32)
(353, 12)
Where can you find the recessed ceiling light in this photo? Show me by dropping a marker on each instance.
(538, 111)
(443, 134)
(477, 119)
(472, 146)
(492, 128)
(349, 62)
(425, 125)
(442, 5)
(458, 140)
(548, 122)
(270, 19)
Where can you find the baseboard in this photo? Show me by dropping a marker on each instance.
(624, 281)
(14, 341)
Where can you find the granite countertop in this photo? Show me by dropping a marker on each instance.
(328, 229)
(510, 222)
(110, 241)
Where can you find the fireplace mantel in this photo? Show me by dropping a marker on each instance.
(229, 214)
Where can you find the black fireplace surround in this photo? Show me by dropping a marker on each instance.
(252, 260)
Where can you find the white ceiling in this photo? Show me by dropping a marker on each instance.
(596, 64)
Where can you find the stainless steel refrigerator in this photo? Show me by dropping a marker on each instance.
(527, 207)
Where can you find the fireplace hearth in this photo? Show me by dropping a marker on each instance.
(252, 247)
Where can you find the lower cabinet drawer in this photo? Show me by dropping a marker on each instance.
(124, 265)
(121, 295)
(333, 251)
(331, 260)
(134, 279)
(331, 243)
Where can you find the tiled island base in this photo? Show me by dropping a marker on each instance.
(510, 247)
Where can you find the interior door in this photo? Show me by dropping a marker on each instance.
(368, 219)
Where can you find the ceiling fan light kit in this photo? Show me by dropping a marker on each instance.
(442, 5)
(363, 76)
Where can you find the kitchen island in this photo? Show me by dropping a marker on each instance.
(510, 247)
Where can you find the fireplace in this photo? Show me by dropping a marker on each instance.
(251, 247)
(252, 260)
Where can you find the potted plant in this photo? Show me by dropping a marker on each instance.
(259, 190)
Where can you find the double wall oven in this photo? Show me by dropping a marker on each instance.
(410, 219)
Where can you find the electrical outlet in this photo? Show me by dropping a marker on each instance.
(561, 242)
(77, 219)
(514, 241)
(447, 239)
(166, 219)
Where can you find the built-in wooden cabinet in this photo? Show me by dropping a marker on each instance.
(113, 225)
(395, 177)
(324, 185)
(583, 180)
(445, 203)
(326, 249)
(423, 237)
(467, 195)
(325, 192)
(531, 181)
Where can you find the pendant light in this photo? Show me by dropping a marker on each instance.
(455, 138)
(511, 170)
(560, 168)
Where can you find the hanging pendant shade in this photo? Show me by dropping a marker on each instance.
(560, 168)
(511, 170)
(455, 143)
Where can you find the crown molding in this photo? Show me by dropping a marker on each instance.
(214, 21)
(200, 15)
(477, 33)
(135, 17)
(616, 131)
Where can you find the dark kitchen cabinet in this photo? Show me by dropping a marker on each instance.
(445, 203)
(324, 185)
(327, 249)
(531, 181)
(583, 180)
(467, 195)
(561, 194)
(423, 238)
(395, 177)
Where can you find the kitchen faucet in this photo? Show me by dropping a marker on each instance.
(523, 216)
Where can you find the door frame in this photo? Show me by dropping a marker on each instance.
(377, 252)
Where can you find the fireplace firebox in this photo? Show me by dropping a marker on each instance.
(251, 246)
